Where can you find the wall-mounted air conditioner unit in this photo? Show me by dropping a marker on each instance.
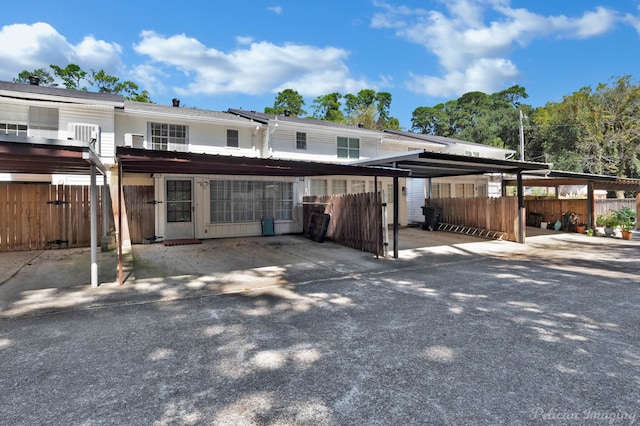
(134, 140)
(85, 133)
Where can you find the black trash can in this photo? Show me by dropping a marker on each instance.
(431, 218)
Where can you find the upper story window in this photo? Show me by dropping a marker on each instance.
(13, 129)
(169, 137)
(301, 140)
(472, 153)
(348, 147)
(233, 138)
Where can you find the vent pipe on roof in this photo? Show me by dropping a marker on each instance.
(34, 81)
(360, 125)
(175, 102)
(287, 113)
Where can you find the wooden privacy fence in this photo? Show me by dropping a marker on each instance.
(551, 210)
(140, 209)
(356, 219)
(603, 207)
(37, 216)
(496, 214)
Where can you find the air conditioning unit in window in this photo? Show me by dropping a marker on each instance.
(133, 140)
(85, 133)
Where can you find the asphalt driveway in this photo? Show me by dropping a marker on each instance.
(543, 334)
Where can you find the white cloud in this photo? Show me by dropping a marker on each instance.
(257, 68)
(244, 40)
(275, 9)
(590, 24)
(633, 20)
(149, 78)
(484, 75)
(471, 48)
(39, 45)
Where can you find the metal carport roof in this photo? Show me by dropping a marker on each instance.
(425, 164)
(134, 160)
(22, 154)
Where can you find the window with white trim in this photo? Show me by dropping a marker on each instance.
(339, 186)
(357, 187)
(169, 137)
(301, 140)
(482, 190)
(441, 190)
(318, 187)
(250, 201)
(348, 147)
(233, 138)
(13, 129)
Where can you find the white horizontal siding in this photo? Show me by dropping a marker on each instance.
(101, 117)
(204, 137)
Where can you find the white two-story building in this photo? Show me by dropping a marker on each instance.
(232, 198)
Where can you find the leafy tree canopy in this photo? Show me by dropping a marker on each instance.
(287, 100)
(73, 77)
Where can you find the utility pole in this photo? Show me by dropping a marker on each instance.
(521, 135)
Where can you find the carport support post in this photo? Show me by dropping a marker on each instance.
(120, 267)
(590, 205)
(521, 218)
(395, 217)
(94, 228)
(105, 206)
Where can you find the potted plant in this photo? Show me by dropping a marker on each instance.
(610, 223)
(626, 218)
(600, 220)
(581, 228)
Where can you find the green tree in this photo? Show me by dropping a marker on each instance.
(71, 76)
(106, 83)
(289, 100)
(593, 130)
(327, 107)
(370, 109)
(491, 119)
(46, 79)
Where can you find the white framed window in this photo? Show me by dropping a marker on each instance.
(318, 187)
(357, 186)
(250, 201)
(441, 190)
(13, 129)
(348, 147)
(469, 190)
(338, 186)
(482, 190)
(233, 138)
(169, 137)
(301, 140)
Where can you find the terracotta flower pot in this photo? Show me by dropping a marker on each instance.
(580, 229)
(626, 235)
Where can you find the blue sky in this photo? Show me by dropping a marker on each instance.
(240, 54)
